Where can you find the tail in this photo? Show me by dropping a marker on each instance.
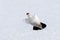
(36, 28)
(43, 25)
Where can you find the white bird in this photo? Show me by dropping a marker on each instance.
(35, 22)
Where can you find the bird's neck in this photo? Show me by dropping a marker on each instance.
(30, 16)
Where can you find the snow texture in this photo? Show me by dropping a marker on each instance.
(12, 13)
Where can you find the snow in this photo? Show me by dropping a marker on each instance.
(12, 13)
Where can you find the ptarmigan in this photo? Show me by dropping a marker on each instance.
(35, 22)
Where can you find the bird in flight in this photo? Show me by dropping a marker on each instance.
(35, 22)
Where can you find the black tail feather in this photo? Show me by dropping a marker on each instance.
(36, 28)
(43, 25)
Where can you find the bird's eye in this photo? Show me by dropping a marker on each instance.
(27, 13)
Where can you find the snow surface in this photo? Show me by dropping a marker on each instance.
(13, 27)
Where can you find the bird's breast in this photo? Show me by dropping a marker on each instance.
(34, 22)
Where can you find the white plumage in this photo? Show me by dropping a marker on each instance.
(35, 21)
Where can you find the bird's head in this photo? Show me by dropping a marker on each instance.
(27, 13)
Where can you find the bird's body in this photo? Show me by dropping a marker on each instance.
(35, 21)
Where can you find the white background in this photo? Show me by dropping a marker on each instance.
(13, 27)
